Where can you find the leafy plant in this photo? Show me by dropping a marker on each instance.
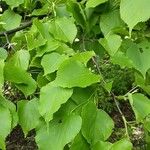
(74, 63)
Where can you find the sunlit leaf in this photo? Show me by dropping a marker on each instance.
(59, 134)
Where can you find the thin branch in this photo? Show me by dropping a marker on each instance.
(16, 29)
(122, 115)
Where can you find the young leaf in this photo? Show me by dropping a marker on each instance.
(51, 62)
(97, 125)
(11, 20)
(63, 29)
(74, 74)
(51, 98)
(28, 114)
(59, 133)
(133, 12)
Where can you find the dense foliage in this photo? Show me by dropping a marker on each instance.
(77, 73)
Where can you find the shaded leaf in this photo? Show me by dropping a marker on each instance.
(97, 125)
(80, 143)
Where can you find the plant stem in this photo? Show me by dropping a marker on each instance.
(122, 115)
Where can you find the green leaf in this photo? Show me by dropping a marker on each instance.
(41, 11)
(11, 20)
(94, 3)
(139, 55)
(65, 110)
(61, 11)
(74, 74)
(97, 125)
(123, 143)
(108, 86)
(42, 80)
(63, 29)
(59, 133)
(5, 125)
(80, 143)
(34, 41)
(140, 81)
(77, 12)
(140, 105)
(102, 146)
(50, 46)
(111, 43)
(28, 114)
(81, 95)
(1, 74)
(83, 57)
(51, 98)
(65, 49)
(22, 80)
(51, 62)
(20, 59)
(133, 12)
(121, 59)
(3, 54)
(12, 108)
(109, 21)
(14, 3)
(42, 28)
